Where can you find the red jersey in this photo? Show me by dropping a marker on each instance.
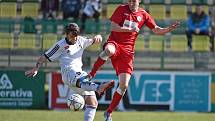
(124, 17)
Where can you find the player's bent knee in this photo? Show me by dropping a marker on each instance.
(110, 49)
(110, 52)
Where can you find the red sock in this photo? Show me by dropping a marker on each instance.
(115, 101)
(99, 62)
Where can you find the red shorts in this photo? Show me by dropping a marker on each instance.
(121, 61)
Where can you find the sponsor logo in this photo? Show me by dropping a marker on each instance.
(5, 83)
(139, 19)
(151, 90)
(9, 95)
(66, 47)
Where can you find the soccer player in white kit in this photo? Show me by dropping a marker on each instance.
(69, 52)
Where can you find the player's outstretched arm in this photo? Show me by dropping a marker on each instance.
(33, 72)
(160, 31)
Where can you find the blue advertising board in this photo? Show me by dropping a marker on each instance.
(192, 92)
(154, 90)
(149, 88)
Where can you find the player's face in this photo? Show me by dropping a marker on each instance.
(72, 37)
(133, 5)
(199, 10)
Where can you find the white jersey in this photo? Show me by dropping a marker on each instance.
(69, 56)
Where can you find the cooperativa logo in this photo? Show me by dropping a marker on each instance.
(5, 82)
(7, 89)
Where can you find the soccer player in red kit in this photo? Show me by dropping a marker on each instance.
(126, 22)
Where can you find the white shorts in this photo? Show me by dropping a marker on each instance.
(70, 78)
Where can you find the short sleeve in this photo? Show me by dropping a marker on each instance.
(117, 15)
(149, 21)
(53, 53)
(86, 41)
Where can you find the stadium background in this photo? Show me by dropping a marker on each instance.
(21, 44)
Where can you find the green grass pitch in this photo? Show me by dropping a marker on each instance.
(50, 115)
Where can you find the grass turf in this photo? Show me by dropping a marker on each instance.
(50, 115)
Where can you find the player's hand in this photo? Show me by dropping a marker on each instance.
(97, 39)
(135, 29)
(32, 72)
(174, 25)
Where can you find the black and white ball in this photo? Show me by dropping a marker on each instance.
(75, 102)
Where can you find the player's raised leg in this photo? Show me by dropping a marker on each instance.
(91, 86)
(103, 56)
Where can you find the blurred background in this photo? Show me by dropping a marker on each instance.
(170, 74)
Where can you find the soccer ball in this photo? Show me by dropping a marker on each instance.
(75, 102)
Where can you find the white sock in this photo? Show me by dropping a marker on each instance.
(89, 86)
(89, 113)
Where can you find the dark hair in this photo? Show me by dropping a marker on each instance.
(72, 27)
